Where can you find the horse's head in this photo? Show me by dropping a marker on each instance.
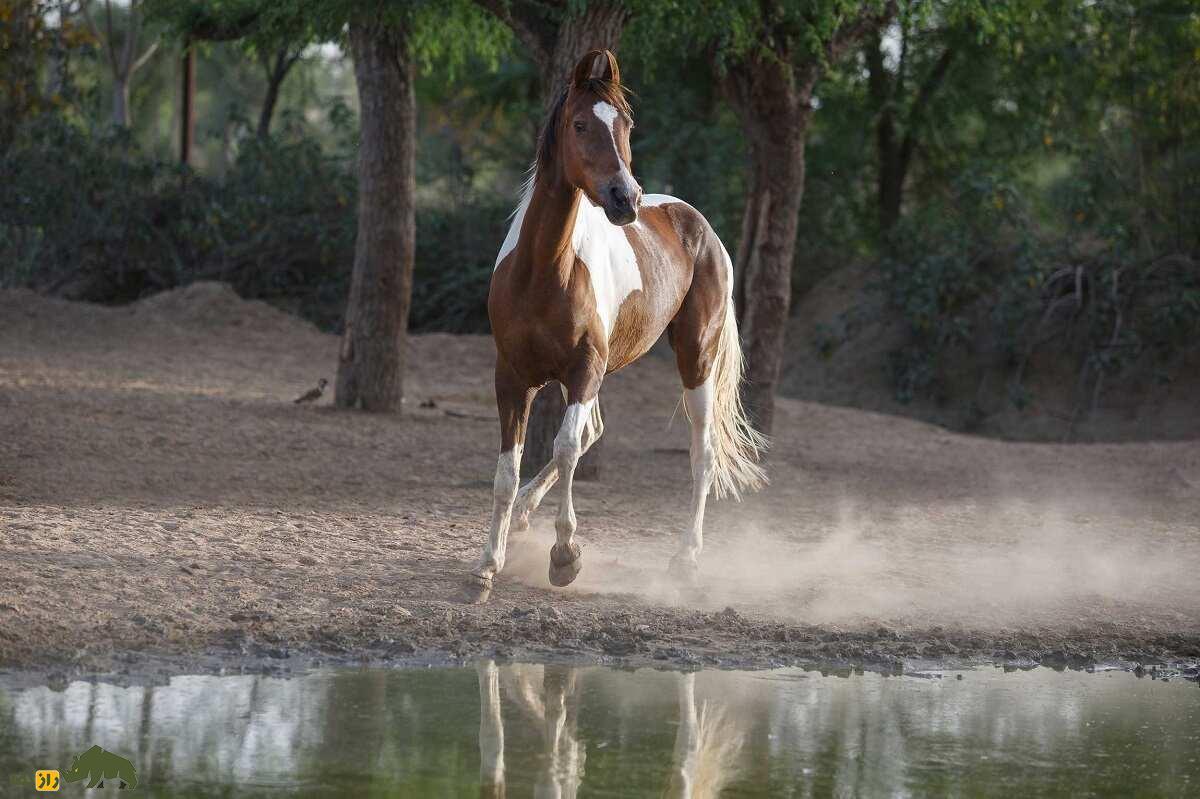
(591, 123)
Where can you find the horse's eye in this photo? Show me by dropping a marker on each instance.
(580, 127)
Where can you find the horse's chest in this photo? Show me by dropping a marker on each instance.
(609, 266)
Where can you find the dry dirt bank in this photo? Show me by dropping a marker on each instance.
(161, 496)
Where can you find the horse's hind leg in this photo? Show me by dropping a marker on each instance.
(512, 401)
(695, 337)
(699, 402)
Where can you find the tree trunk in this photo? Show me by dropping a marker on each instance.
(545, 417)
(599, 27)
(889, 189)
(120, 107)
(773, 103)
(895, 153)
(371, 364)
(276, 69)
(20, 62)
(187, 103)
(268, 107)
(556, 50)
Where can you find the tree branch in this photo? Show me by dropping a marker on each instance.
(929, 87)
(529, 20)
(132, 33)
(204, 27)
(143, 58)
(851, 33)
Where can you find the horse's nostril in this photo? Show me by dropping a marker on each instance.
(618, 196)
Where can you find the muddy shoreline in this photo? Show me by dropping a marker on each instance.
(446, 635)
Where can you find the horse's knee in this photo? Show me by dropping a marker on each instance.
(507, 474)
(566, 453)
(568, 444)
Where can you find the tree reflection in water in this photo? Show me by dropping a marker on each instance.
(558, 731)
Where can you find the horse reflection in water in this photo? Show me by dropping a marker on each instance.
(553, 708)
(707, 745)
(707, 742)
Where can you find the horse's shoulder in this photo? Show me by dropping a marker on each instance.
(664, 212)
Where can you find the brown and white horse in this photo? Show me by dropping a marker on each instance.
(590, 275)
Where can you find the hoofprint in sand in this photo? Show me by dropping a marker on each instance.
(161, 497)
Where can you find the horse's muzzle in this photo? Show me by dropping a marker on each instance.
(621, 203)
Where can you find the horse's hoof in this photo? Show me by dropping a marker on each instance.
(684, 570)
(475, 590)
(565, 563)
(519, 523)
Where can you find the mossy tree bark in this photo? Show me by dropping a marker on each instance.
(371, 363)
(771, 87)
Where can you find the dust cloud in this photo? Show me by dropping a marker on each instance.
(979, 565)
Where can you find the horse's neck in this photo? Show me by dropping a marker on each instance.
(544, 246)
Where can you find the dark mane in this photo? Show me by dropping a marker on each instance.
(614, 94)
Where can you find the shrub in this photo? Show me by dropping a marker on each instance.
(85, 214)
(972, 273)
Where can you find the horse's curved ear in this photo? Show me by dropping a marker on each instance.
(597, 65)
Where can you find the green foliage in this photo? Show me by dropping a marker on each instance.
(1052, 206)
(974, 273)
(89, 215)
(456, 250)
(733, 29)
(687, 141)
(946, 260)
(442, 32)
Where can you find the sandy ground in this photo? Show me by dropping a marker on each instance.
(161, 497)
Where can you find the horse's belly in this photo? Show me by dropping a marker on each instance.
(663, 276)
(640, 322)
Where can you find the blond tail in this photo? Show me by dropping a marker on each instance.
(736, 444)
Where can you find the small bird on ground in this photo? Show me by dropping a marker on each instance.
(313, 394)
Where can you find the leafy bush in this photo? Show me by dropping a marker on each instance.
(456, 250)
(973, 274)
(87, 215)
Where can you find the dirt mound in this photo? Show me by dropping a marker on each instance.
(212, 304)
(842, 337)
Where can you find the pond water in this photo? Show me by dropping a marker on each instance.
(558, 730)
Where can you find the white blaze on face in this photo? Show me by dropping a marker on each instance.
(607, 114)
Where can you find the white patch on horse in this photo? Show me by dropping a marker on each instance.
(603, 246)
(607, 114)
(728, 267)
(518, 219)
(611, 262)
(651, 200)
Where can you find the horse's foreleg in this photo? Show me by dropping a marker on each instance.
(530, 497)
(491, 731)
(568, 447)
(512, 400)
(685, 565)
